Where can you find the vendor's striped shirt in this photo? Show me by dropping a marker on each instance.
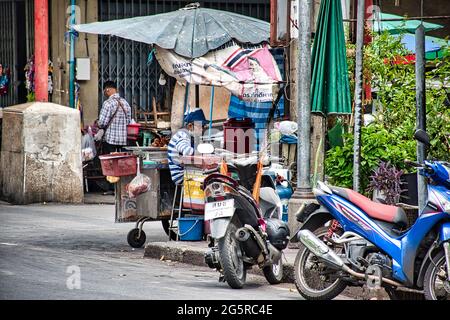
(180, 144)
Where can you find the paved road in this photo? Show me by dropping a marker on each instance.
(48, 251)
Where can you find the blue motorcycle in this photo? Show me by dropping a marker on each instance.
(350, 240)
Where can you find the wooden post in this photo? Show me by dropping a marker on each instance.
(41, 49)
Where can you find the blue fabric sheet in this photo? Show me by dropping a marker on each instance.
(259, 111)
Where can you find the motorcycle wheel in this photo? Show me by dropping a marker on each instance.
(436, 284)
(274, 272)
(230, 253)
(309, 274)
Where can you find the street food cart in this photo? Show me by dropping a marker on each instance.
(156, 203)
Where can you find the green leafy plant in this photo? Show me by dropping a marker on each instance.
(30, 97)
(390, 137)
(377, 144)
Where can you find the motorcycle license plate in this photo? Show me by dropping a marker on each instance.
(219, 209)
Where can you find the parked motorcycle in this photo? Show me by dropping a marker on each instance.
(245, 221)
(349, 240)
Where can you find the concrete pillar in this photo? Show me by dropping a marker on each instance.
(41, 49)
(40, 157)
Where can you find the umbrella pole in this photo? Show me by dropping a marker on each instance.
(186, 99)
(211, 104)
(358, 96)
(197, 96)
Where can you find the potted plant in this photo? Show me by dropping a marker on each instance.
(386, 184)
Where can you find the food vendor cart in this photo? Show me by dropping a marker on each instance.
(156, 203)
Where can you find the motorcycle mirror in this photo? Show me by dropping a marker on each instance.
(422, 136)
(205, 148)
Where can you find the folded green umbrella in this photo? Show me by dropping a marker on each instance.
(330, 89)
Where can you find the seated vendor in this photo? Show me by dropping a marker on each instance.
(182, 144)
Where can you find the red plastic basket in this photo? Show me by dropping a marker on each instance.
(118, 164)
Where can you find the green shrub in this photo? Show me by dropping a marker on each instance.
(390, 137)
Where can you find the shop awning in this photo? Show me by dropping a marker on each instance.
(330, 89)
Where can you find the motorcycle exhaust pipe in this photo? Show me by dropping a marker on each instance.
(274, 253)
(320, 249)
(249, 245)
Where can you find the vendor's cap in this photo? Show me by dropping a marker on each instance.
(195, 115)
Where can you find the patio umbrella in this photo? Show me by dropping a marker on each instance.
(400, 26)
(330, 90)
(191, 31)
(433, 45)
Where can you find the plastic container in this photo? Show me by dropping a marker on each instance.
(239, 135)
(133, 131)
(190, 228)
(118, 164)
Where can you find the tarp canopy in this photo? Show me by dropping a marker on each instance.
(191, 31)
(330, 89)
(395, 27)
(251, 74)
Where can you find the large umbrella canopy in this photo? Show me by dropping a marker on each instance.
(400, 26)
(191, 31)
(330, 89)
(433, 45)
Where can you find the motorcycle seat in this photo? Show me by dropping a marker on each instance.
(375, 210)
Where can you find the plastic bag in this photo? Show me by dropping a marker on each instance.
(88, 150)
(87, 154)
(140, 184)
(287, 127)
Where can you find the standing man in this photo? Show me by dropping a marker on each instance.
(114, 118)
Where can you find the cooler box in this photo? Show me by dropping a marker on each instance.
(239, 135)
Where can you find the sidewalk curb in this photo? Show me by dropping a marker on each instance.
(185, 253)
(195, 256)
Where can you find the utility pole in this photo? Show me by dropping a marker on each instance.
(304, 99)
(358, 95)
(420, 110)
(303, 191)
(41, 49)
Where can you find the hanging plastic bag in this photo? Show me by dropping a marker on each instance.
(140, 184)
(287, 127)
(88, 151)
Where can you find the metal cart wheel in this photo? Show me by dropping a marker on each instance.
(136, 237)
